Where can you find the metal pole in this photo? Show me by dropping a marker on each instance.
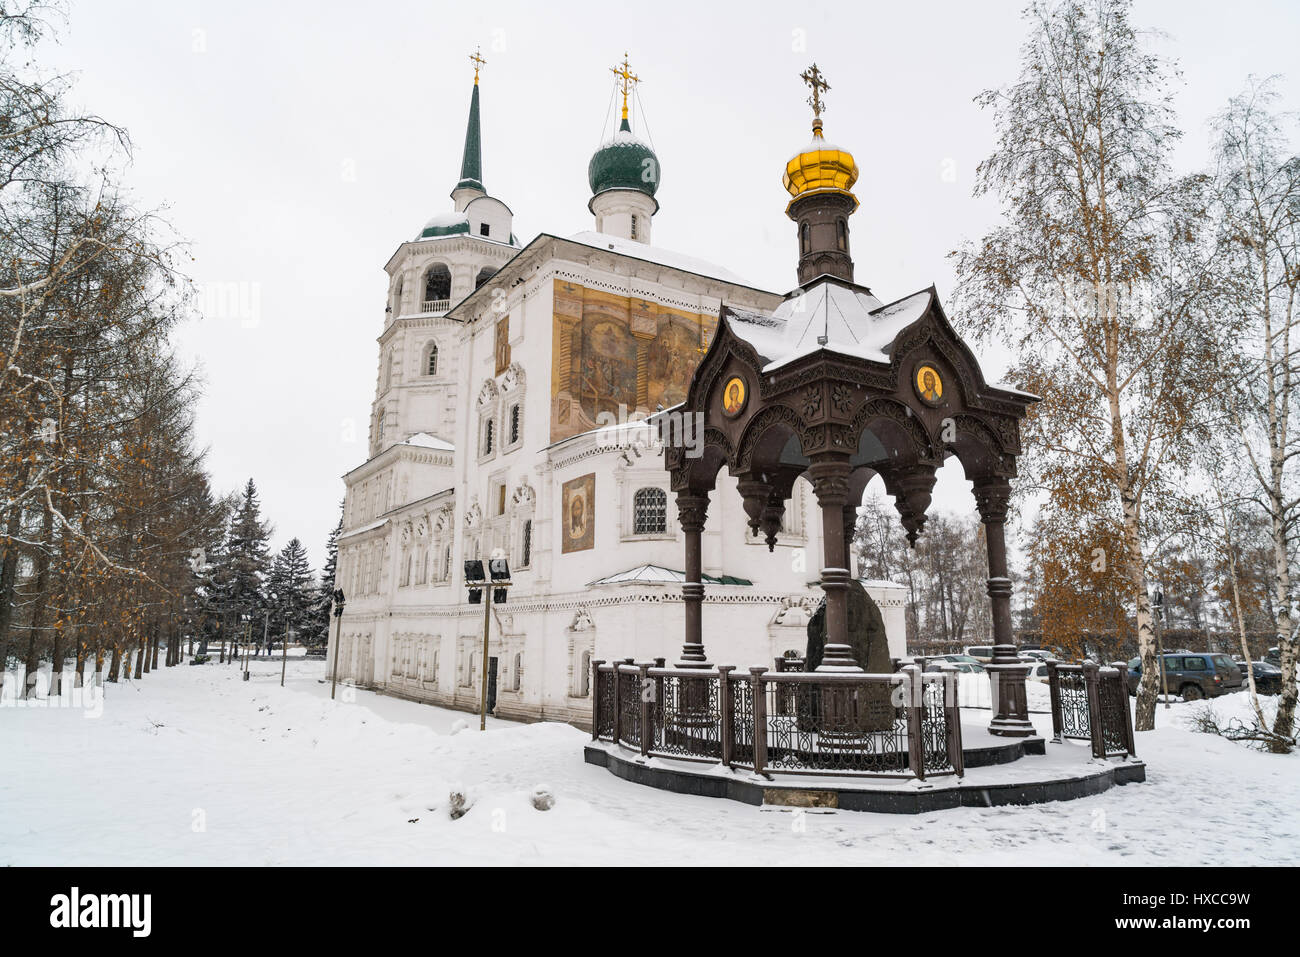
(338, 638)
(1160, 650)
(284, 653)
(487, 626)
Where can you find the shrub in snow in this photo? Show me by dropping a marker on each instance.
(460, 801)
(458, 726)
(543, 798)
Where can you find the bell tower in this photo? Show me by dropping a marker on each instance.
(819, 179)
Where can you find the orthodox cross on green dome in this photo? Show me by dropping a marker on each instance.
(627, 80)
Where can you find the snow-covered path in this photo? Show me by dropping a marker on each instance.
(193, 766)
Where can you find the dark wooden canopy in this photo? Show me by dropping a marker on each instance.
(838, 387)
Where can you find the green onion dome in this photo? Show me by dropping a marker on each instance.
(624, 162)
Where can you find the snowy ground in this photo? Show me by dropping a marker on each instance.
(193, 766)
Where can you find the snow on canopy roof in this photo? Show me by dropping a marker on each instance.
(424, 440)
(852, 321)
(657, 574)
(664, 257)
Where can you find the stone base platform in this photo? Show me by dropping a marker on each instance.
(999, 771)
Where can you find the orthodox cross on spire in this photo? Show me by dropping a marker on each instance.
(815, 79)
(627, 80)
(478, 61)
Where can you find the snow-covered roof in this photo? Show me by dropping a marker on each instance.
(423, 440)
(657, 574)
(446, 219)
(364, 528)
(829, 316)
(655, 254)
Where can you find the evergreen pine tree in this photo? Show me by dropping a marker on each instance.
(248, 557)
(293, 582)
(319, 632)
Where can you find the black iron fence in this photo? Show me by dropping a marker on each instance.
(1090, 703)
(906, 724)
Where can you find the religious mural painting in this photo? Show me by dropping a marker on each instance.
(928, 383)
(503, 344)
(734, 394)
(578, 499)
(616, 355)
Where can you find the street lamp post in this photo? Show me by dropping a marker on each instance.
(1160, 644)
(284, 650)
(338, 631)
(495, 582)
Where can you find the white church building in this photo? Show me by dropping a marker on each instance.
(507, 377)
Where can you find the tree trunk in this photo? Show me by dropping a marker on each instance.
(116, 664)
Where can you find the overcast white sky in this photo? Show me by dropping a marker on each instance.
(296, 144)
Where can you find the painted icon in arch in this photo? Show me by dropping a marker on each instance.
(734, 394)
(929, 384)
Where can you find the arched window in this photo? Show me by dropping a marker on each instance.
(514, 423)
(805, 243)
(446, 563)
(634, 225)
(584, 678)
(483, 276)
(487, 436)
(842, 235)
(437, 283)
(379, 426)
(526, 547)
(650, 511)
(396, 304)
(431, 363)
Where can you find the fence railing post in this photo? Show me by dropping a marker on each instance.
(1120, 678)
(1091, 682)
(760, 720)
(913, 694)
(952, 713)
(595, 700)
(726, 708)
(618, 706)
(1054, 688)
(646, 730)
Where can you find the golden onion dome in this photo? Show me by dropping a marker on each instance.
(820, 167)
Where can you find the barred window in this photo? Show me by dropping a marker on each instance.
(487, 437)
(650, 511)
(431, 367)
(514, 424)
(526, 558)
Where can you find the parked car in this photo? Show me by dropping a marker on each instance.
(1037, 672)
(981, 653)
(963, 667)
(1268, 676)
(955, 659)
(1192, 676)
(1040, 653)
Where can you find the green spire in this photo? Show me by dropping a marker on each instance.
(471, 165)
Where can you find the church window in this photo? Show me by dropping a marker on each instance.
(519, 670)
(484, 275)
(379, 425)
(650, 511)
(514, 424)
(805, 241)
(501, 499)
(526, 551)
(584, 678)
(487, 437)
(446, 564)
(634, 225)
(842, 235)
(431, 364)
(484, 229)
(437, 283)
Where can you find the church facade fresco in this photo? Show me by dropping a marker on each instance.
(615, 355)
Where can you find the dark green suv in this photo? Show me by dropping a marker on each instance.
(1192, 676)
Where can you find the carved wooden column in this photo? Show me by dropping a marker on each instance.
(1006, 672)
(692, 510)
(830, 481)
